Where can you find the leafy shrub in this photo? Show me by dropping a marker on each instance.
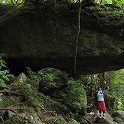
(49, 77)
(31, 74)
(3, 71)
(114, 93)
(75, 97)
(52, 78)
(2, 84)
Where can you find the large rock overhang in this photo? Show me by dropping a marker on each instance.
(47, 39)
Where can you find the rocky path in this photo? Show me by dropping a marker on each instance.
(95, 119)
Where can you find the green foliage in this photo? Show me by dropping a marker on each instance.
(118, 2)
(115, 84)
(12, 2)
(49, 77)
(2, 83)
(75, 97)
(34, 78)
(32, 74)
(3, 70)
(73, 122)
(56, 120)
(97, 8)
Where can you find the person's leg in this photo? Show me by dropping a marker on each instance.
(103, 114)
(100, 112)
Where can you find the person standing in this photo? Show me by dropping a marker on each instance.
(100, 101)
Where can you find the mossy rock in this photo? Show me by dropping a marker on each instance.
(105, 121)
(56, 120)
(17, 120)
(21, 94)
(25, 119)
(83, 121)
(11, 78)
(7, 115)
(9, 101)
(119, 114)
(118, 120)
(34, 83)
(21, 78)
(73, 122)
(1, 119)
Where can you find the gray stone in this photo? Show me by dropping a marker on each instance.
(119, 114)
(105, 121)
(1, 119)
(118, 120)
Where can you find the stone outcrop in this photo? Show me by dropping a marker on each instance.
(41, 37)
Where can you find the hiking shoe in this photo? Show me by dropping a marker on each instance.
(103, 116)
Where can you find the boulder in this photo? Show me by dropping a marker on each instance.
(118, 114)
(107, 120)
(56, 120)
(1, 119)
(7, 115)
(31, 38)
(118, 120)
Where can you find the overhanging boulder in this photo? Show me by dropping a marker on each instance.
(43, 38)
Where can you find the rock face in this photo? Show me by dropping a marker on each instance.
(43, 38)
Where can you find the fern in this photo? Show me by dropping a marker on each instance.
(3, 69)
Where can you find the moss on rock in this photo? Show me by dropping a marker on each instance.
(56, 120)
(73, 122)
(17, 119)
(119, 114)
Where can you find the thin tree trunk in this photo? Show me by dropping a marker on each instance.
(77, 38)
